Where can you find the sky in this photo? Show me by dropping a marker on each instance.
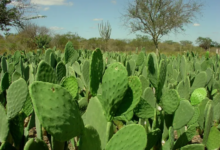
(82, 17)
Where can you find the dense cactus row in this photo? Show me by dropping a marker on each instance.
(109, 101)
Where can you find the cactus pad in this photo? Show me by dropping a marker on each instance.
(71, 85)
(129, 137)
(193, 147)
(170, 101)
(132, 96)
(114, 86)
(16, 97)
(35, 144)
(56, 110)
(213, 139)
(61, 71)
(45, 73)
(95, 117)
(70, 54)
(183, 114)
(96, 69)
(4, 124)
(197, 96)
(90, 139)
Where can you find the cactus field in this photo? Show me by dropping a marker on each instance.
(95, 100)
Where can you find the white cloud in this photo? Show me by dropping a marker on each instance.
(97, 19)
(196, 24)
(46, 8)
(51, 2)
(114, 1)
(56, 28)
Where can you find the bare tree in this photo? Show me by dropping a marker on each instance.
(105, 32)
(159, 17)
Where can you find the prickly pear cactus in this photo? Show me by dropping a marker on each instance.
(16, 97)
(197, 96)
(70, 54)
(45, 73)
(35, 144)
(61, 71)
(114, 86)
(56, 110)
(95, 117)
(129, 137)
(4, 124)
(213, 139)
(95, 72)
(131, 97)
(90, 139)
(170, 101)
(183, 114)
(71, 85)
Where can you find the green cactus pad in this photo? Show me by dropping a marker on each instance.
(47, 55)
(56, 110)
(52, 60)
(153, 137)
(150, 97)
(16, 97)
(7, 146)
(61, 71)
(95, 72)
(71, 85)
(153, 69)
(85, 73)
(95, 117)
(35, 144)
(144, 109)
(114, 86)
(90, 139)
(199, 81)
(185, 138)
(208, 120)
(183, 114)
(144, 82)
(183, 88)
(4, 124)
(140, 59)
(45, 73)
(17, 56)
(183, 66)
(170, 101)
(132, 96)
(193, 147)
(197, 96)
(130, 67)
(213, 139)
(5, 81)
(129, 137)
(195, 116)
(28, 107)
(161, 78)
(17, 129)
(171, 137)
(70, 54)
(4, 64)
(201, 115)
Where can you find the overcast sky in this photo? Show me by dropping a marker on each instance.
(83, 16)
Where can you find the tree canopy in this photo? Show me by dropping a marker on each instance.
(159, 17)
(13, 13)
(205, 43)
